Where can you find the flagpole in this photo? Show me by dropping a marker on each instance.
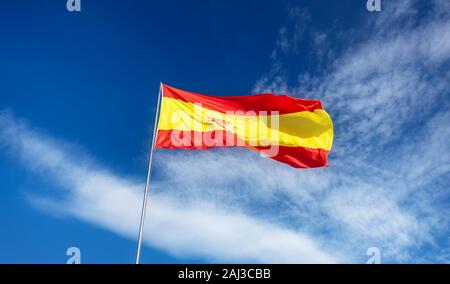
(149, 174)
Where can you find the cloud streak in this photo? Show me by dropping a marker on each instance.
(388, 97)
(387, 187)
(183, 227)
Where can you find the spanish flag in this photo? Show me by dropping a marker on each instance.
(294, 131)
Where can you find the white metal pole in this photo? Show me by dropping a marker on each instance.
(149, 174)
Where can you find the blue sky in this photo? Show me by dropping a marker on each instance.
(77, 101)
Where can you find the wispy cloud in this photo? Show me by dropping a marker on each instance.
(185, 227)
(388, 185)
(289, 37)
(388, 97)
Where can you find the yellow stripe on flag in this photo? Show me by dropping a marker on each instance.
(299, 129)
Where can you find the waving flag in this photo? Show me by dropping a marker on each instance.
(294, 131)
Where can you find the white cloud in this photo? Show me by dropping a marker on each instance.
(385, 187)
(181, 226)
(290, 37)
(387, 95)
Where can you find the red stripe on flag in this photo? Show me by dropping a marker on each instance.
(300, 157)
(297, 157)
(256, 103)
